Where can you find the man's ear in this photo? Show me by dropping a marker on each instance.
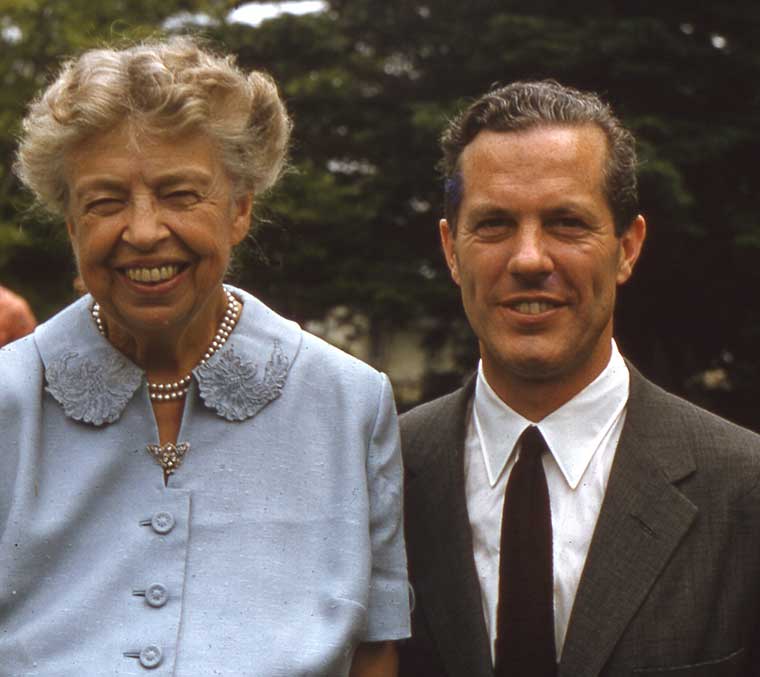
(241, 218)
(448, 240)
(631, 242)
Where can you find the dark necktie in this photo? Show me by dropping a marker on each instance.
(525, 615)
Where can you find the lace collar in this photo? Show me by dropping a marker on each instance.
(94, 382)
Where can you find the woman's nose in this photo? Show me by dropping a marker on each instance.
(144, 228)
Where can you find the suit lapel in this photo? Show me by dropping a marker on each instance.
(440, 543)
(642, 520)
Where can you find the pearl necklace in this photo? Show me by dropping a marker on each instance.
(176, 390)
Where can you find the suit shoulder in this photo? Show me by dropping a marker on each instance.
(330, 378)
(425, 416)
(725, 456)
(703, 428)
(312, 358)
(316, 353)
(432, 425)
(720, 445)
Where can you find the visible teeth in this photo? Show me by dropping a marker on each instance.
(152, 274)
(533, 307)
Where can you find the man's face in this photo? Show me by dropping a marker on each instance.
(536, 256)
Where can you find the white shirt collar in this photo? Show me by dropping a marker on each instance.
(573, 432)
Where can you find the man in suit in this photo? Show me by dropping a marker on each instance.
(632, 545)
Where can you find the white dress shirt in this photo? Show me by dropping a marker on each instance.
(582, 436)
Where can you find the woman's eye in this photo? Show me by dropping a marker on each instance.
(104, 206)
(182, 198)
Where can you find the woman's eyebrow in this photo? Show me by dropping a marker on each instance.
(171, 178)
(197, 176)
(98, 183)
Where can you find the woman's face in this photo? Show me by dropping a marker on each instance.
(152, 220)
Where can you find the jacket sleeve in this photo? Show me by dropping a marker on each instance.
(388, 617)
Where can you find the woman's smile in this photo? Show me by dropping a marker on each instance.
(152, 281)
(152, 275)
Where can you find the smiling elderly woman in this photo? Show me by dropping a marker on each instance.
(189, 484)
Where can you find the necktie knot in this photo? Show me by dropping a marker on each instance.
(532, 444)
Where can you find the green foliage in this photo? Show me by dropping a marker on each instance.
(11, 237)
(370, 83)
(380, 79)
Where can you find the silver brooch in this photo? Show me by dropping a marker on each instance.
(169, 456)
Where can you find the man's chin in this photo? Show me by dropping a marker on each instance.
(567, 369)
(530, 366)
(536, 369)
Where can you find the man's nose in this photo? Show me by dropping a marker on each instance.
(529, 256)
(144, 228)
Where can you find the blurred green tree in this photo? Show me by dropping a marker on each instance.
(371, 83)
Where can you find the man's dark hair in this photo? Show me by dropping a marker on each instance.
(526, 105)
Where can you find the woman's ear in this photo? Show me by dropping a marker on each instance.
(241, 218)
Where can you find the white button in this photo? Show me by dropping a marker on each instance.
(156, 595)
(162, 522)
(150, 656)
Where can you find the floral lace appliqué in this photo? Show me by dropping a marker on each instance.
(92, 392)
(232, 387)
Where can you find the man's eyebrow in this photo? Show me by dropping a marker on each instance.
(570, 207)
(487, 210)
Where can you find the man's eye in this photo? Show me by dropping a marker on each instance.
(491, 224)
(491, 228)
(569, 222)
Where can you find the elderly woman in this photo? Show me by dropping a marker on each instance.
(190, 484)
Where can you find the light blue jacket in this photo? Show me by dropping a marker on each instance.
(275, 549)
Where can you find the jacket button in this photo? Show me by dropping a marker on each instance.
(162, 522)
(156, 595)
(150, 656)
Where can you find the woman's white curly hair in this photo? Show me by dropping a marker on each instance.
(163, 87)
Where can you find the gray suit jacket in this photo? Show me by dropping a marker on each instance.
(671, 584)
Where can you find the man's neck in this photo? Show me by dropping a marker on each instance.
(536, 398)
